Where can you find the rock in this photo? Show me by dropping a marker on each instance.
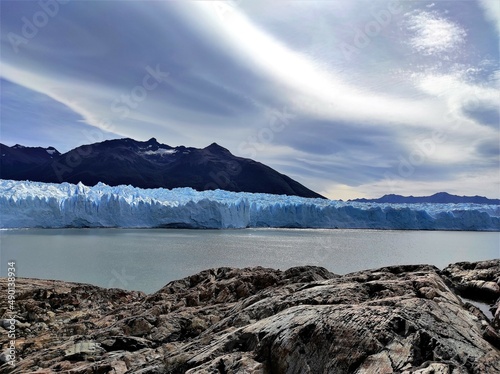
(492, 336)
(124, 343)
(139, 327)
(477, 281)
(404, 319)
(4, 356)
(495, 310)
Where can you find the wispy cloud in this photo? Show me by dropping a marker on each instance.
(434, 34)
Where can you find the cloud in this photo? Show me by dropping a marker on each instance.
(302, 80)
(433, 34)
(491, 10)
(490, 148)
(230, 65)
(486, 115)
(462, 96)
(44, 121)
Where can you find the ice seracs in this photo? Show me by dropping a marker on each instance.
(35, 204)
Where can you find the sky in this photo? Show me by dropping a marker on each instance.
(351, 98)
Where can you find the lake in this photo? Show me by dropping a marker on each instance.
(147, 259)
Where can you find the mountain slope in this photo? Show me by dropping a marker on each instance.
(19, 161)
(150, 165)
(440, 197)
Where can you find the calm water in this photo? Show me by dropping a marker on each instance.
(148, 259)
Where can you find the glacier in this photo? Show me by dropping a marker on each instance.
(25, 204)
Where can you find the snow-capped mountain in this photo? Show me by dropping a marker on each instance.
(147, 165)
(34, 204)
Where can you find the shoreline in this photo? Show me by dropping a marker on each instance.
(42, 281)
(238, 228)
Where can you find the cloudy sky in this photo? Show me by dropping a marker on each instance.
(351, 98)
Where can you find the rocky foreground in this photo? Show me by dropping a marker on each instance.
(401, 319)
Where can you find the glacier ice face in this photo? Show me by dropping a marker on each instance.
(33, 204)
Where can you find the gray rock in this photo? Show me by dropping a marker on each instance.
(404, 319)
(476, 280)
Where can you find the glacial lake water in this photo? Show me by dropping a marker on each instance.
(147, 259)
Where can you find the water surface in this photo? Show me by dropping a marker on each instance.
(147, 259)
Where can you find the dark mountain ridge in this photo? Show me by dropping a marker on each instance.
(18, 161)
(440, 197)
(147, 164)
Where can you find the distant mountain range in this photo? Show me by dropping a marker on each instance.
(147, 165)
(440, 197)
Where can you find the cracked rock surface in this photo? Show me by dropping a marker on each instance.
(400, 319)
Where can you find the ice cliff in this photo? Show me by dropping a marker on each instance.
(33, 204)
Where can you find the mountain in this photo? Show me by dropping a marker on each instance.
(18, 161)
(440, 197)
(147, 165)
